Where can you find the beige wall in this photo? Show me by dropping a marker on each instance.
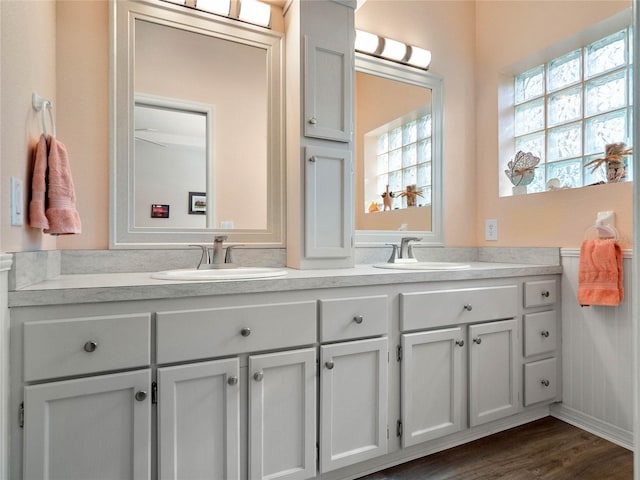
(547, 219)
(28, 65)
(70, 65)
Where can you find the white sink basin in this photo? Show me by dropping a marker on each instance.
(240, 273)
(425, 266)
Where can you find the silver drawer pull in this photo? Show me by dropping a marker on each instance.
(468, 307)
(545, 382)
(545, 333)
(312, 158)
(545, 293)
(258, 376)
(245, 332)
(232, 380)
(460, 343)
(329, 365)
(313, 120)
(477, 340)
(141, 395)
(358, 319)
(90, 346)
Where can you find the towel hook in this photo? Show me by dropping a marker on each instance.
(39, 104)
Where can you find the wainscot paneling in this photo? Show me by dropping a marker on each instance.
(597, 358)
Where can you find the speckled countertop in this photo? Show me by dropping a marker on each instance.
(111, 287)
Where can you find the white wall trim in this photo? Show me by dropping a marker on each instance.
(610, 432)
(6, 261)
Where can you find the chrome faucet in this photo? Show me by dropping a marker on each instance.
(215, 258)
(404, 253)
(218, 241)
(406, 249)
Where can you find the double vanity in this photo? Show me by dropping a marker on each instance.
(331, 373)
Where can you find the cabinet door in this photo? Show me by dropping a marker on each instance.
(282, 415)
(353, 402)
(327, 84)
(198, 416)
(431, 384)
(328, 218)
(90, 428)
(493, 386)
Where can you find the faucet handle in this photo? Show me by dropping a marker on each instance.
(204, 257)
(228, 258)
(394, 253)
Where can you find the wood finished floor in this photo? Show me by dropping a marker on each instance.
(547, 449)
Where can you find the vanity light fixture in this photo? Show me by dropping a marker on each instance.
(219, 7)
(256, 12)
(250, 11)
(394, 50)
(390, 49)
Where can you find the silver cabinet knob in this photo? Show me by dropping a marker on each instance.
(245, 332)
(358, 319)
(477, 340)
(468, 307)
(329, 365)
(90, 346)
(545, 333)
(312, 158)
(141, 395)
(545, 293)
(545, 382)
(313, 120)
(233, 380)
(460, 343)
(258, 376)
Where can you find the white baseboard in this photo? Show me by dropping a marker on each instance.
(609, 432)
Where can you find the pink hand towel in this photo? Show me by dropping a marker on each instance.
(600, 276)
(61, 208)
(37, 218)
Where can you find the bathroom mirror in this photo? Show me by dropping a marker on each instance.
(399, 143)
(197, 149)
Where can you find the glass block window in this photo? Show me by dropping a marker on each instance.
(568, 109)
(403, 159)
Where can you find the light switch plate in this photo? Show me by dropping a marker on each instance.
(17, 202)
(491, 230)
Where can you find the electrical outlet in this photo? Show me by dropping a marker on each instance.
(491, 230)
(17, 202)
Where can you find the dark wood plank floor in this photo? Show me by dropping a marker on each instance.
(547, 449)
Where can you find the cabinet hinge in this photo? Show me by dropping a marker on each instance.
(154, 393)
(387, 432)
(21, 415)
(399, 353)
(317, 457)
(399, 429)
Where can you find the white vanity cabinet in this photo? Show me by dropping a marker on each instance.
(353, 380)
(541, 369)
(320, 56)
(470, 362)
(200, 410)
(96, 427)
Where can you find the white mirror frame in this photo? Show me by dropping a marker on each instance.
(421, 78)
(123, 15)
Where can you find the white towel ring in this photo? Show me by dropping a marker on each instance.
(39, 105)
(602, 231)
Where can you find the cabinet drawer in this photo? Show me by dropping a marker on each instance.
(540, 293)
(448, 307)
(193, 334)
(539, 381)
(345, 318)
(60, 348)
(539, 333)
